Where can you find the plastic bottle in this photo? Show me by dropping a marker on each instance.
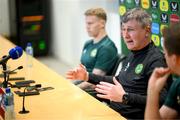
(29, 60)
(29, 53)
(9, 105)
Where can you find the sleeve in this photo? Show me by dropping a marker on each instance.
(171, 98)
(140, 100)
(106, 58)
(95, 79)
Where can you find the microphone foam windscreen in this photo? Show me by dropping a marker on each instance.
(16, 52)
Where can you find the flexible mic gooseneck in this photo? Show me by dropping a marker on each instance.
(24, 111)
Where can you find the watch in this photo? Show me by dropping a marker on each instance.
(125, 98)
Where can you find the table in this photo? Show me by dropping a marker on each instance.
(64, 102)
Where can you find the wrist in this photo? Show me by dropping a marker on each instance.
(125, 98)
(86, 76)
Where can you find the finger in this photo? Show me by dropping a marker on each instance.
(70, 77)
(103, 87)
(102, 96)
(115, 81)
(162, 71)
(105, 92)
(106, 84)
(82, 66)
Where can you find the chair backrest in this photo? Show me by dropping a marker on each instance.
(120, 58)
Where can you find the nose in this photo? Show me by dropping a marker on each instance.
(125, 34)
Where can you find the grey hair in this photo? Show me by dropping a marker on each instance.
(138, 14)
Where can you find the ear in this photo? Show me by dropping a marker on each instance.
(102, 22)
(148, 29)
(177, 59)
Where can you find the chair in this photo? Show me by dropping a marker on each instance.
(93, 93)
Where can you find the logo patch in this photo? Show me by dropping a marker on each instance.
(154, 4)
(155, 39)
(137, 2)
(164, 18)
(164, 5)
(93, 53)
(174, 6)
(155, 28)
(162, 27)
(121, 1)
(84, 51)
(122, 10)
(155, 16)
(145, 4)
(174, 18)
(178, 100)
(139, 68)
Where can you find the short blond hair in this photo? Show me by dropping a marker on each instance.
(99, 12)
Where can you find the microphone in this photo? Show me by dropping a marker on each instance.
(14, 53)
(13, 71)
(24, 111)
(18, 68)
(31, 88)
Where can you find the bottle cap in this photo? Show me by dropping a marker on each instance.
(29, 44)
(8, 90)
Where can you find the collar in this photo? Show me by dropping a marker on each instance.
(143, 50)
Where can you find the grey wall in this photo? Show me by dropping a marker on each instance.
(69, 26)
(4, 18)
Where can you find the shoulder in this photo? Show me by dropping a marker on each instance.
(156, 52)
(88, 42)
(108, 44)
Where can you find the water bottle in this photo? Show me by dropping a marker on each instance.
(29, 60)
(9, 105)
(29, 53)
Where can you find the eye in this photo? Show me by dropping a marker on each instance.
(130, 29)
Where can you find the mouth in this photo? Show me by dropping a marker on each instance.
(129, 42)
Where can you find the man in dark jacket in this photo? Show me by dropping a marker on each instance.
(127, 91)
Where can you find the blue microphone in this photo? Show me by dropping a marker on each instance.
(14, 53)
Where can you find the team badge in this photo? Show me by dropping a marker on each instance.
(139, 68)
(93, 53)
(178, 100)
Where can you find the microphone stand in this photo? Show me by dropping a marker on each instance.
(6, 75)
(24, 111)
(5, 83)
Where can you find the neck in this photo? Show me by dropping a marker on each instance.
(99, 37)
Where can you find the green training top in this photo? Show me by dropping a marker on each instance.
(101, 55)
(173, 98)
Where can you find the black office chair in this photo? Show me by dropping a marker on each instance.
(92, 92)
(120, 59)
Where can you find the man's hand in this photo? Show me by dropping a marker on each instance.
(79, 73)
(113, 92)
(158, 80)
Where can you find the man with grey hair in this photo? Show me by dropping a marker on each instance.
(127, 92)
